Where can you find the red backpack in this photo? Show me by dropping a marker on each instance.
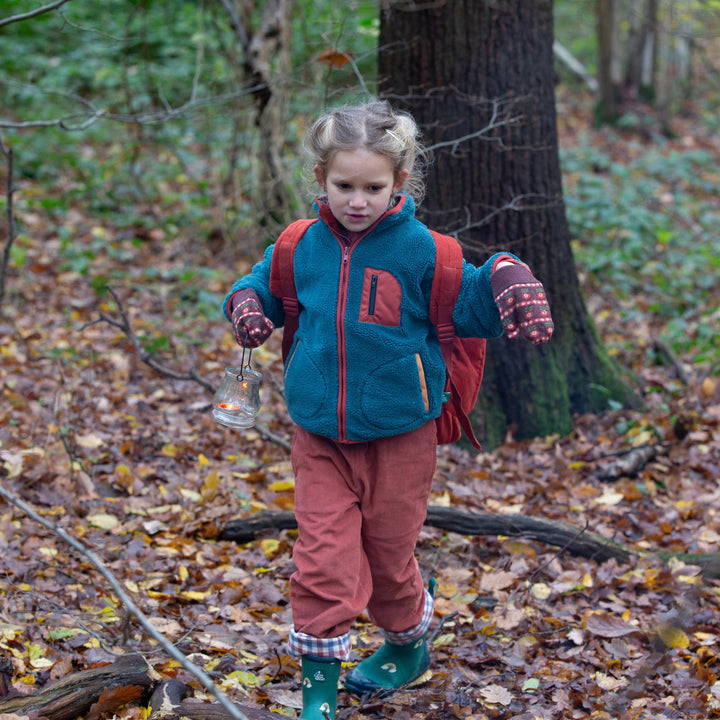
(464, 357)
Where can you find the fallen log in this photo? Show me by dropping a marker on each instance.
(96, 693)
(89, 693)
(570, 538)
(169, 702)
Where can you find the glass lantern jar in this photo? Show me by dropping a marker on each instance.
(237, 400)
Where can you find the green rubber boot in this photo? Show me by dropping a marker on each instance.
(319, 687)
(390, 668)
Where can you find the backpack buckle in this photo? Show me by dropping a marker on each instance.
(291, 306)
(446, 332)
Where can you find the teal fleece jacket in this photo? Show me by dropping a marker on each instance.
(365, 361)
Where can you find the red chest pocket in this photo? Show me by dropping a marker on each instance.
(381, 298)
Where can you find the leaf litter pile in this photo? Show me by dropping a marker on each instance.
(129, 462)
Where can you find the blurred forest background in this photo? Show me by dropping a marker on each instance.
(144, 165)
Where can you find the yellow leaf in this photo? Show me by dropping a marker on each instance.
(577, 465)
(239, 678)
(102, 521)
(183, 573)
(100, 232)
(194, 595)
(170, 450)
(444, 639)
(279, 468)
(673, 637)
(210, 486)
(282, 485)
(202, 460)
(9, 632)
(541, 591)
(270, 546)
(709, 387)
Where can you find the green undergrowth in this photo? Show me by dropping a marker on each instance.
(645, 232)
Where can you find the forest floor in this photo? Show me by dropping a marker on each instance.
(130, 463)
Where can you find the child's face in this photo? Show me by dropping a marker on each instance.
(359, 185)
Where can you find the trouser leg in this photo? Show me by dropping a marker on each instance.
(360, 509)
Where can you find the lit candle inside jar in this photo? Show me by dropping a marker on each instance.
(237, 400)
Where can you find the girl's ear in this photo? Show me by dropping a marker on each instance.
(319, 176)
(400, 177)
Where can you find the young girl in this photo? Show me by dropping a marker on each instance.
(364, 382)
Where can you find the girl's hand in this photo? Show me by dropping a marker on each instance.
(522, 303)
(250, 326)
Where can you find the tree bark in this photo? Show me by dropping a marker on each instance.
(126, 680)
(99, 692)
(478, 76)
(570, 538)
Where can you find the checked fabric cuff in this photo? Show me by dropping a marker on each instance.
(407, 636)
(300, 643)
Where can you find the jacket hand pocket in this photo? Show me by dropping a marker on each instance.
(395, 395)
(305, 387)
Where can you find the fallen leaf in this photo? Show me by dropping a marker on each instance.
(608, 626)
(496, 695)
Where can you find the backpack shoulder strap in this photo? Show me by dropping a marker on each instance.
(445, 288)
(447, 280)
(282, 277)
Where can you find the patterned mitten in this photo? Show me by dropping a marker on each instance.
(250, 325)
(522, 303)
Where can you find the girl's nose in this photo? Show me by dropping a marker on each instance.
(357, 200)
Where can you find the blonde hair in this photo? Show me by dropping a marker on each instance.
(375, 127)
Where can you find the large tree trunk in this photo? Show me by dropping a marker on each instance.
(478, 76)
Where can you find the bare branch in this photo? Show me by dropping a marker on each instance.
(456, 142)
(124, 325)
(128, 603)
(33, 13)
(148, 118)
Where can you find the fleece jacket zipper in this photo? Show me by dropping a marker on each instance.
(342, 350)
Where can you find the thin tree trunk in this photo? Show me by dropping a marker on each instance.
(267, 61)
(608, 49)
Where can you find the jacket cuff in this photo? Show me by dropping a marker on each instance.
(503, 257)
(238, 296)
